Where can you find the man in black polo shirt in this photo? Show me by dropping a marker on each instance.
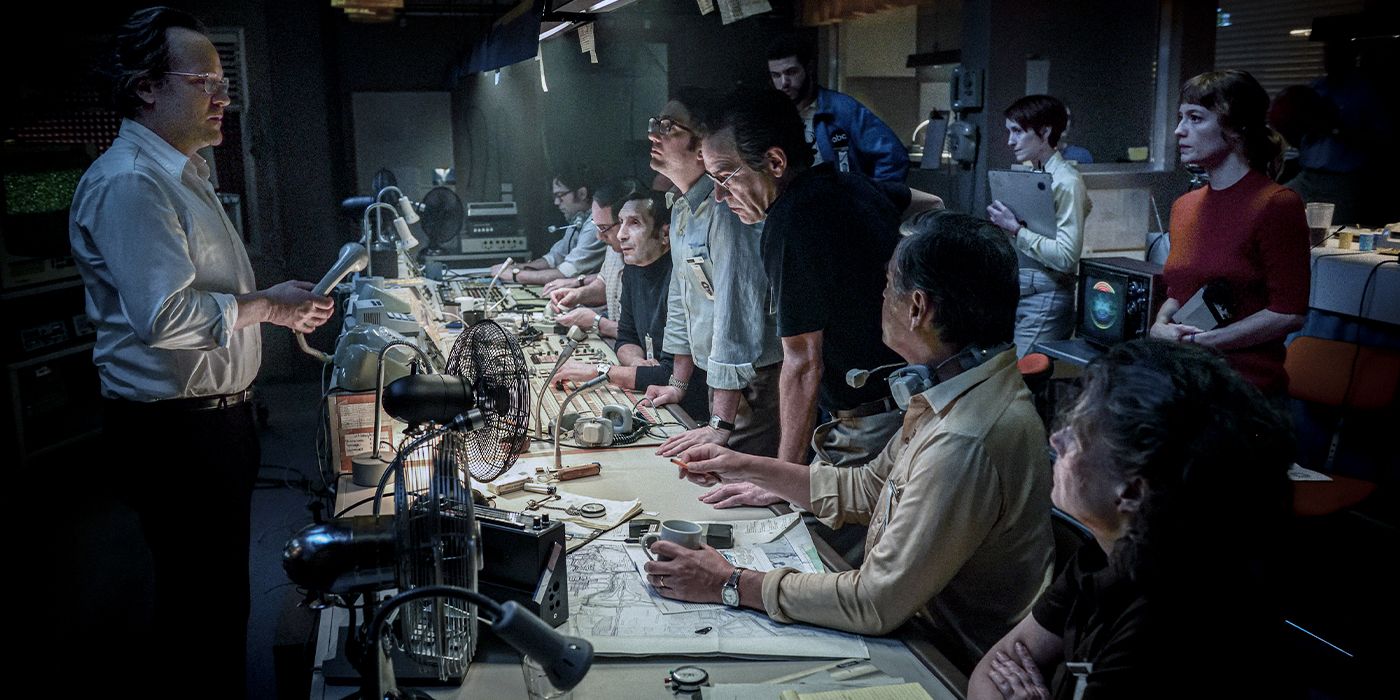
(827, 237)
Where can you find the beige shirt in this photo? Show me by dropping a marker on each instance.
(1059, 249)
(958, 506)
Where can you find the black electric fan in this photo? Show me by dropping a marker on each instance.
(441, 217)
(471, 418)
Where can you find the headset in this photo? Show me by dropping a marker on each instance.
(911, 380)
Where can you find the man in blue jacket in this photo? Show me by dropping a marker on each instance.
(841, 130)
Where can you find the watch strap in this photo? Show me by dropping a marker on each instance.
(721, 424)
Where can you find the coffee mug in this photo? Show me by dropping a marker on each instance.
(682, 532)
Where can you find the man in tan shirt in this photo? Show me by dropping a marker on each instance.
(958, 503)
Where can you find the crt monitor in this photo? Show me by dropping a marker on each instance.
(1118, 299)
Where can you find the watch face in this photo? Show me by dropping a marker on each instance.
(730, 596)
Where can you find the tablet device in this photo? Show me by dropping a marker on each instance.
(1027, 194)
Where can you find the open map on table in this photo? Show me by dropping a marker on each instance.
(612, 607)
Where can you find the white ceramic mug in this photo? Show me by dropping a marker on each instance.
(682, 532)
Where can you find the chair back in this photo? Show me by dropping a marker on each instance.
(1338, 373)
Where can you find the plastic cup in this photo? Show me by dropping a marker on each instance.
(537, 684)
(1319, 220)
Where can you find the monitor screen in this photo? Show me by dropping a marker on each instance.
(1117, 299)
(1103, 307)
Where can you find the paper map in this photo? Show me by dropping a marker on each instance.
(610, 606)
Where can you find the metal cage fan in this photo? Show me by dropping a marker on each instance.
(442, 219)
(470, 419)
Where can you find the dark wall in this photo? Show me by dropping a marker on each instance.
(512, 131)
(997, 36)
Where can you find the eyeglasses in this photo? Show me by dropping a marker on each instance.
(213, 82)
(559, 196)
(663, 126)
(604, 229)
(725, 182)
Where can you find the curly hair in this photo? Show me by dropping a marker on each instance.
(1212, 451)
(141, 52)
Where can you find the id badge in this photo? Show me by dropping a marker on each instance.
(697, 267)
(651, 354)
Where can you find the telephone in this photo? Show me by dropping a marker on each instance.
(967, 89)
(964, 141)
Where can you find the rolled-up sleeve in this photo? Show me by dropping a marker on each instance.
(145, 253)
(741, 286)
(936, 522)
(586, 257)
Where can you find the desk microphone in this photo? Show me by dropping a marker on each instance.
(576, 335)
(856, 378)
(556, 229)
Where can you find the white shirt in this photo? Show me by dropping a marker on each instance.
(162, 265)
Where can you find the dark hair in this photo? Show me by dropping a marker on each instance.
(968, 269)
(140, 51)
(657, 202)
(790, 45)
(1034, 112)
(760, 120)
(1243, 107)
(699, 104)
(574, 177)
(612, 194)
(1212, 451)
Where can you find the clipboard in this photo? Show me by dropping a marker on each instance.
(1028, 195)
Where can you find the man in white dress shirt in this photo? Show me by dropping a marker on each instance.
(177, 311)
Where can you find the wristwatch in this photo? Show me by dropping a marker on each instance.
(597, 321)
(730, 593)
(514, 273)
(580, 279)
(721, 424)
(604, 368)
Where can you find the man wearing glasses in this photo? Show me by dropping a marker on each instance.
(172, 294)
(718, 318)
(595, 304)
(826, 239)
(578, 252)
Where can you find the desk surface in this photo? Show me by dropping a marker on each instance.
(1340, 278)
(638, 473)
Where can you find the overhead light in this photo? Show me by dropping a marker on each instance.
(539, 59)
(1300, 32)
(600, 5)
(555, 30)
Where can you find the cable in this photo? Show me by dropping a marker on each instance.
(357, 504)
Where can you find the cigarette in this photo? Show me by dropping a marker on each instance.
(679, 463)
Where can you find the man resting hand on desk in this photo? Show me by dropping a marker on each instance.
(644, 235)
(958, 503)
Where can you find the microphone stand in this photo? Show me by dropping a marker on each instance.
(558, 419)
(576, 335)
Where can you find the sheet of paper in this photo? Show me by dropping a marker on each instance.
(1297, 473)
(610, 607)
(770, 691)
(905, 691)
(748, 557)
(762, 530)
(731, 11)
